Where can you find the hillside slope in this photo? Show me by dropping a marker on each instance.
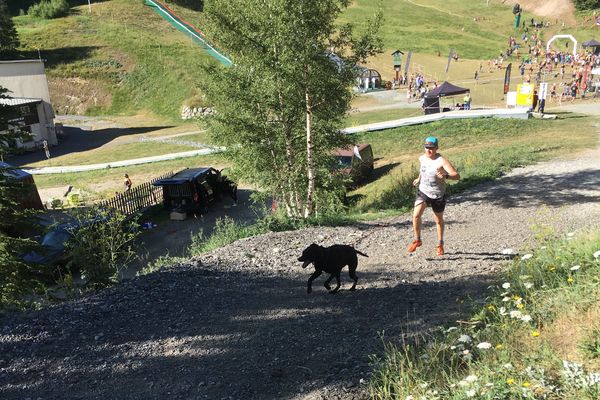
(237, 323)
(123, 58)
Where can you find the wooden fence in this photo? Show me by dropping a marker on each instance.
(137, 198)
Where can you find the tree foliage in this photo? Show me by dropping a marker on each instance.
(49, 9)
(9, 40)
(282, 103)
(16, 277)
(197, 5)
(587, 4)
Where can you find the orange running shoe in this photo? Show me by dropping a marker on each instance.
(439, 250)
(413, 246)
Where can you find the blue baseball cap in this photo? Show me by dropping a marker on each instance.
(431, 142)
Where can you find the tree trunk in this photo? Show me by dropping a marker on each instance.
(309, 207)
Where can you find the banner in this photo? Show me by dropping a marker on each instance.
(408, 57)
(449, 59)
(507, 78)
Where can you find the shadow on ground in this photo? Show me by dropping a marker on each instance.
(206, 333)
(543, 189)
(80, 140)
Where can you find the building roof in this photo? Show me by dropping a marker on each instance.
(349, 151)
(18, 101)
(13, 172)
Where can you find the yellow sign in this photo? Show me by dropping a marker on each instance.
(525, 92)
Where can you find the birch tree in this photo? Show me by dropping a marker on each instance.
(280, 107)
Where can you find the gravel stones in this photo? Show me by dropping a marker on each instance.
(237, 323)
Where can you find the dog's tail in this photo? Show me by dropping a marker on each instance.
(362, 254)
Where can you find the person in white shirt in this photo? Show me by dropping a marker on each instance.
(431, 191)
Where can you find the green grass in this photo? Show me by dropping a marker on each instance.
(113, 153)
(105, 182)
(534, 338)
(123, 47)
(367, 117)
(133, 61)
(481, 149)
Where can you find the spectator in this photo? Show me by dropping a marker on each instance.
(127, 183)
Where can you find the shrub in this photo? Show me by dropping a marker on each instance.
(102, 245)
(586, 4)
(49, 9)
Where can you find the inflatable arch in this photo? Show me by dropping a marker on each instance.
(563, 37)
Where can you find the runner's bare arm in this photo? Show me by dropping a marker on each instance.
(447, 171)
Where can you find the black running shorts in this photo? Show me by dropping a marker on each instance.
(438, 205)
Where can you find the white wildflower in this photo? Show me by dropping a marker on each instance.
(526, 318)
(528, 285)
(471, 393)
(505, 285)
(502, 311)
(575, 267)
(465, 352)
(484, 345)
(543, 247)
(505, 299)
(409, 397)
(571, 234)
(594, 378)
(452, 328)
(465, 339)
(507, 366)
(471, 378)
(452, 347)
(526, 257)
(463, 383)
(596, 254)
(515, 314)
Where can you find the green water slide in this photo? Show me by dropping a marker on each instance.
(188, 29)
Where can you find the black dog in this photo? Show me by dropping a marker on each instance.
(331, 260)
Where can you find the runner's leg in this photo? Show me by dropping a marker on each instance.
(438, 217)
(417, 214)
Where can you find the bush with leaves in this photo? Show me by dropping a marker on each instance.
(9, 40)
(49, 9)
(17, 279)
(587, 4)
(102, 246)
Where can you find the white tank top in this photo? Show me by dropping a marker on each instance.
(430, 185)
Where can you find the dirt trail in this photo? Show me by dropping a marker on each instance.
(237, 323)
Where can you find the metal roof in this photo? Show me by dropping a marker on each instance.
(349, 151)
(187, 175)
(13, 172)
(18, 101)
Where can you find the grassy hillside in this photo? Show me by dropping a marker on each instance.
(123, 58)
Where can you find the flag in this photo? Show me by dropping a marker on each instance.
(449, 58)
(407, 62)
(507, 78)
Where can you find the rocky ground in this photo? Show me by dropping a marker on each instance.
(238, 324)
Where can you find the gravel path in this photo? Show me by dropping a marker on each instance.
(237, 323)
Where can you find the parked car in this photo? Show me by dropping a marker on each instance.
(355, 161)
(53, 245)
(193, 189)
